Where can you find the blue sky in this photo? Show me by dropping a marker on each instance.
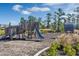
(12, 12)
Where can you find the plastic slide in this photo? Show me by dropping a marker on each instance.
(38, 34)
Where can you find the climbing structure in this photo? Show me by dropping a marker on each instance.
(22, 29)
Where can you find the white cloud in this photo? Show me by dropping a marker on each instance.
(71, 7)
(36, 9)
(26, 12)
(45, 9)
(52, 4)
(17, 7)
(33, 9)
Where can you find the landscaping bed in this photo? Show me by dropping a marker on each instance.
(66, 44)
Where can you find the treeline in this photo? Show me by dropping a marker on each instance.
(59, 18)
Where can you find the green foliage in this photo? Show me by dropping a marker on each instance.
(53, 49)
(22, 21)
(48, 19)
(46, 30)
(52, 52)
(32, 19)
(42, 26)
(39, 22)
(61, 27)
(2, 31)
(77, 26)
(53, 27)
(77, 46)
(69, 50)
(58, 15)
(67, 47)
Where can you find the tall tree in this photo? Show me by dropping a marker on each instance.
(22, 20)
(32, 19)
(9, 24)
(55, 22)
(59, 13)
(69, 17)
(77, 17)
(48, 19)
(40, 21)
(43, 24)
(73, 18)
(22, 24)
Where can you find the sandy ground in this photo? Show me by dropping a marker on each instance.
(23, 48)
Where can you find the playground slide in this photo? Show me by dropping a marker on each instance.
(39, 34)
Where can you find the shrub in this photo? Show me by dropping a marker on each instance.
(77, 46)
(69, 50)
(43, 31)
(52, 52)
(67, 42)
(46, 30)
(67, 47)
(53, 49)
(65, 39)
(69, 38)
(2, 31)
(76, 38)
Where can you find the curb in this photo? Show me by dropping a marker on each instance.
(39, 52)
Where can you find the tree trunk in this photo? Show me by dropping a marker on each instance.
(58, 30)
(47, 24)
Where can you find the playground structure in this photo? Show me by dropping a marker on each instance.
(29, 28)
